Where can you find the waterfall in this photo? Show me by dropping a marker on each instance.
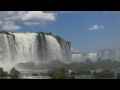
(7, 50)
(54, 49)
(92, 56)
(26, 46)
(58, 50)
(77, 58)
(107, 54)
(81, 57)
(31, 47)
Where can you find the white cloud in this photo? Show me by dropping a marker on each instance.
(8, 18)
(32, 17)
(8, 25)
(96, 27)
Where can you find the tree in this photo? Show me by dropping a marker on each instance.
(73, 73)
(59, 74)
(1, 72)
(99, 59)
(103, 74)
(50, 33)
(15, 74)
(35, 74)
(82, 71)
(88, 61)
(118, 76)
(6, 74)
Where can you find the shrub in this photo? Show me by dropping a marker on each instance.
(104, 74)
(59, 74)
(118, 76)
(15, 74)
(1, 72)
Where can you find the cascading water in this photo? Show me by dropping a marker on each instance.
(107, 54)
(81, 57)
(7, 50)
(92, 56)
(26, 46)
(31, 47)
(57, 50)
(54, 49)
(77, 58)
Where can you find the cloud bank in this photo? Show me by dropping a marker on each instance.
(8, 18)
(8, 25)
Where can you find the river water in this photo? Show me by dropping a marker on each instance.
(28, 75)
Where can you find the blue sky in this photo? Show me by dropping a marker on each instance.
(88, 31)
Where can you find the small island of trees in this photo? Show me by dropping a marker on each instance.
(14, 74)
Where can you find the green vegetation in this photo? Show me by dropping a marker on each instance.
(59, 74)
(82, 68)
(105, 64)
(35, 74)
(118, 76)
(4, 32)
(103, 74)
(73, 73)
(82, 71)
(59, 39)
(88, 64)
(50, 33)
(14, 74)
(43, 33)
(62, 73)
(1, 72)
(6, 74)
